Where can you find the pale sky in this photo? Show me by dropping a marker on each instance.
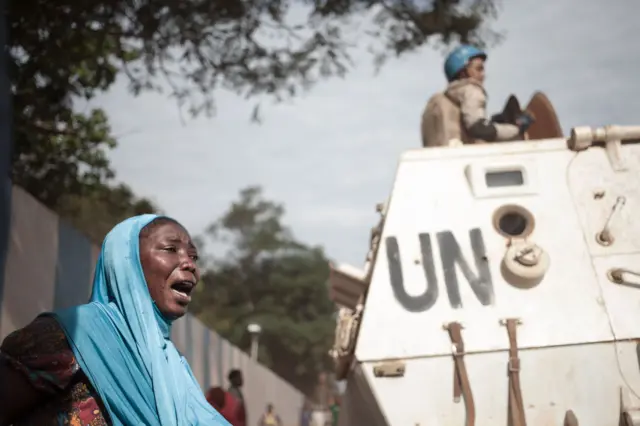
(331, 155)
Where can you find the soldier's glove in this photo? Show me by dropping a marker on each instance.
(524, 121)
(498, 118)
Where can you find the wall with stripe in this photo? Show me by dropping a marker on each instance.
(50, 265)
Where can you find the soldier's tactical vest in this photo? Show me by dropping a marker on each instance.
(442, 123)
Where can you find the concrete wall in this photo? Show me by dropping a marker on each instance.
(50, 266)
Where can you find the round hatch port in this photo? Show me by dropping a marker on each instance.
(513, 221)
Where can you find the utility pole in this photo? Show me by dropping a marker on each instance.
(254, 330)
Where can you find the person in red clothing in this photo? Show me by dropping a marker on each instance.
(225, 403)
(236, 381)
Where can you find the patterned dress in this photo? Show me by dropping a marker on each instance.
(42, 353)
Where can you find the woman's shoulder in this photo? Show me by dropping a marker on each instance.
(42, 337)
(41, 351)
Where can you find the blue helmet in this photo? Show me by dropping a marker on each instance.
(459, 58)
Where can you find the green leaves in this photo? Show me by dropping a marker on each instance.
(270, 278)
(64, 50)
(96, 210)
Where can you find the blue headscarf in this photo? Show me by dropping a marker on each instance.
(121, 341)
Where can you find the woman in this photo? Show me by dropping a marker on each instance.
(111, 361)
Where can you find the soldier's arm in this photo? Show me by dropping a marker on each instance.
(474, 118)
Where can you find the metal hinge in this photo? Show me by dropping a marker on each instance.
(389, 369)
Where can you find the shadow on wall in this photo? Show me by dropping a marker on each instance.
(30, 268)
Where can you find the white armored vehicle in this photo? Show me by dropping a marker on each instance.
(502, 287)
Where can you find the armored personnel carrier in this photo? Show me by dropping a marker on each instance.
(501, 287)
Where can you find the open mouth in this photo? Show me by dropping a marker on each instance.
(183, 290)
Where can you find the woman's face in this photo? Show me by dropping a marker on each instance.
(168, 259)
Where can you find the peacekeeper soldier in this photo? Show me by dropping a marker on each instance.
(458, 115)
